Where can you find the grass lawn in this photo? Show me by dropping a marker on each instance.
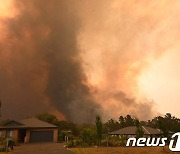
(123, 150)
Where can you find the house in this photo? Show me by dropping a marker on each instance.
(131, 132)
(29, 131)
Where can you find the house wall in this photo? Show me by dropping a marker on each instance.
(27, 137)
(55, 138)
(3, 134)
(15, 134)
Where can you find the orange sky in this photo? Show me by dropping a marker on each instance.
(133, 46)
(6, 8)
(161, 82)
(130, 46)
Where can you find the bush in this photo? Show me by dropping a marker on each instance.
(74, 143)
(71, 144)
(2, 144)
(104, 142)
(78, 143)
(115, 141)
(2, 149)
(61, 137)
(89, 137)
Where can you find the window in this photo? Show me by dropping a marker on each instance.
(9, 133)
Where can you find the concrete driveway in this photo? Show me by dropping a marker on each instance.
(41, 148)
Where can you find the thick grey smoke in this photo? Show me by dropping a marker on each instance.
(79, 58)
(40, 63)
(140, 109)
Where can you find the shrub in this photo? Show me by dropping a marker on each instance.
(2, 144)
(78, 143)
(70, 144)
(115, 141)
(61, 137)
(104, 142)
(89, 137)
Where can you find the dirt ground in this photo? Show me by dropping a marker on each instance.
(123, 150)
(41, 148)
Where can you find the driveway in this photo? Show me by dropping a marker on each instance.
(41, 148)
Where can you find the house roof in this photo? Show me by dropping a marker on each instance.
(132, 131)
(33, 122)
(149, 130)
(28, 123)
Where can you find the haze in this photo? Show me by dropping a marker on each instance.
(77, 59)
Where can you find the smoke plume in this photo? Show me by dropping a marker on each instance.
(40, 65)
(80, 58)
(119, 41)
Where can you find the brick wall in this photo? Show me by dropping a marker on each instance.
(55, 138)
(27, 137)
(15, 134)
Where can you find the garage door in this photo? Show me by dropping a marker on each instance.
(41, 136)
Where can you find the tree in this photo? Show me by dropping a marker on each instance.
(129, 121)
(121, 122)
(111, 125)
(163, 126)
(139, 131)
(68, 126)
(47, 118)
(89, 136)
(99, 128)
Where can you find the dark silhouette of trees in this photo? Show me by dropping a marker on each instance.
(166, 123)
(111, 125)
(121, 121)
(129, 121)
(47, 118)
(62, 124)
(139, 131)
(99, 128)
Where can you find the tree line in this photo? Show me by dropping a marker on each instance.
(96, 133)
(166, 123)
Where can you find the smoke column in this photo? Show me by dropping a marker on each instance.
(40, 66)
(77, 59)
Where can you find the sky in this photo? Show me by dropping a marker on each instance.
(77, 59)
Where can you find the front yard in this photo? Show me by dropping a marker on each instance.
(122, 150)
